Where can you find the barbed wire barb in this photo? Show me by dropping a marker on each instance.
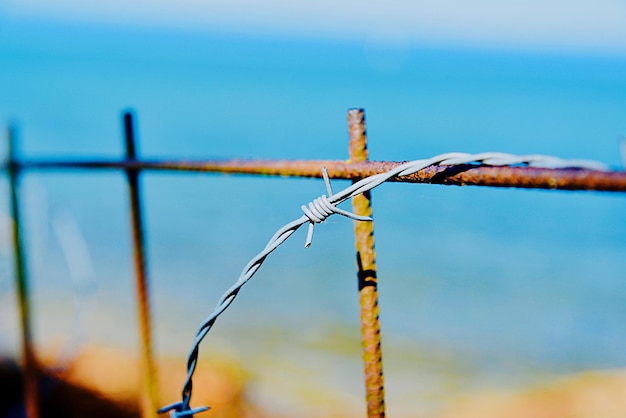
(321, 208)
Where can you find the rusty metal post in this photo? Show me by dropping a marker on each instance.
(30, 369)
(149, 394)
(368, 281)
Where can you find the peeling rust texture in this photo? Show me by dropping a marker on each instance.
(367, 277)
(463, 175)
(521, 177)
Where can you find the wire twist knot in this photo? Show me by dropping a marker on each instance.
(321, 208)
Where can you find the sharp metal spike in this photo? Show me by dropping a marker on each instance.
(329, 189)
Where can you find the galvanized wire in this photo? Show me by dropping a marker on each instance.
(324, 206)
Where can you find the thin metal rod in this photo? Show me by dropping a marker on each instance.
(149, 396)
(463, 175)
(29, 367)
(368, 280)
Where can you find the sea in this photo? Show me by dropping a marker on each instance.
(480, 288)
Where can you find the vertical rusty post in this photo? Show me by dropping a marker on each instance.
(30, 368)
(368, 281)
(149, 394)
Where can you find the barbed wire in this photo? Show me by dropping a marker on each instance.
(318, 210)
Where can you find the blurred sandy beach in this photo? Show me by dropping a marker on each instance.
(103, 382)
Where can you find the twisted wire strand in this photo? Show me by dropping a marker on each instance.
(321, 208)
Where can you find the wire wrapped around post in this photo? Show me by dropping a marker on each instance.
(182, 409)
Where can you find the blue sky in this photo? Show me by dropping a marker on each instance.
(586, 25)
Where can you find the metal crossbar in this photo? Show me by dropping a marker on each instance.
(487, 169)
(458, 175)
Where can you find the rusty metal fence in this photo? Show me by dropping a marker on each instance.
(357, 167)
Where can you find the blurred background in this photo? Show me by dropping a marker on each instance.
(480, 289)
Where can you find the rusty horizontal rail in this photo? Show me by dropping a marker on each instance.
(460, 175)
